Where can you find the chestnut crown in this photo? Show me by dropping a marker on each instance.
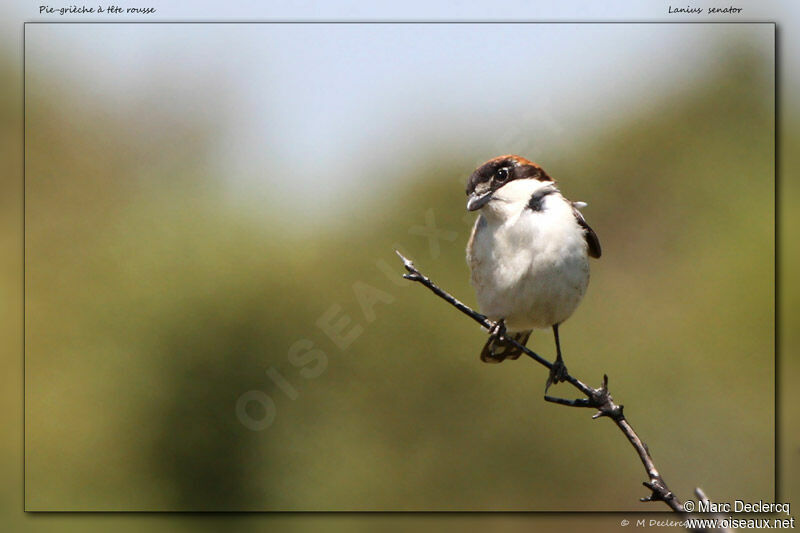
(500, 170)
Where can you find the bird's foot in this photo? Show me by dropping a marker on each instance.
(496, 335)
(558, 373)
(498, 330)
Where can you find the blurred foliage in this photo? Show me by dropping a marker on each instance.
(153, 304)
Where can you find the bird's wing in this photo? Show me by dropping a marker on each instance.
(588, 233)
(480, 223)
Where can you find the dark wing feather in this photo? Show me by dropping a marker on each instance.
(591, 238)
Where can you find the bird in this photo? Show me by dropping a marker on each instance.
(528, 254)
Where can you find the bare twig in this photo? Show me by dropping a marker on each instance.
(599, 398)
(701, 497)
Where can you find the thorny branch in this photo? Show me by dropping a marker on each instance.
(599, 398)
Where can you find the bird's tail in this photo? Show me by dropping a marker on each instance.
(497, 350)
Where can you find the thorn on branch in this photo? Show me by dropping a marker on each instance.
(579, 402)
(660, 493)
(406, 262)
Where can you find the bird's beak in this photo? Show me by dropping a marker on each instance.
(477, 200)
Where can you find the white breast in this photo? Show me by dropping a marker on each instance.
(529, 267)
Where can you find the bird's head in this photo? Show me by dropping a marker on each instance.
(496, 174)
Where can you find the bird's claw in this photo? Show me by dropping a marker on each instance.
(558, 373)
(497, 333)
(498, 330)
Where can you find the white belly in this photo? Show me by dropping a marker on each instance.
(531, 271)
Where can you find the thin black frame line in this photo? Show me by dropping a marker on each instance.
(776, 274)
(24, 267)
(776, 226)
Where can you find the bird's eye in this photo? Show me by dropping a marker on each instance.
(502, 175)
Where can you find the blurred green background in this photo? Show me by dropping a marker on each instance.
(155, 301)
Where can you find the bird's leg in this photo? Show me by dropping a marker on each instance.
(558, 372)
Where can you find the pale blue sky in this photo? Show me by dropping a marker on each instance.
(326, 105)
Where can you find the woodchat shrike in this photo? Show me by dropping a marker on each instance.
(528, 252)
